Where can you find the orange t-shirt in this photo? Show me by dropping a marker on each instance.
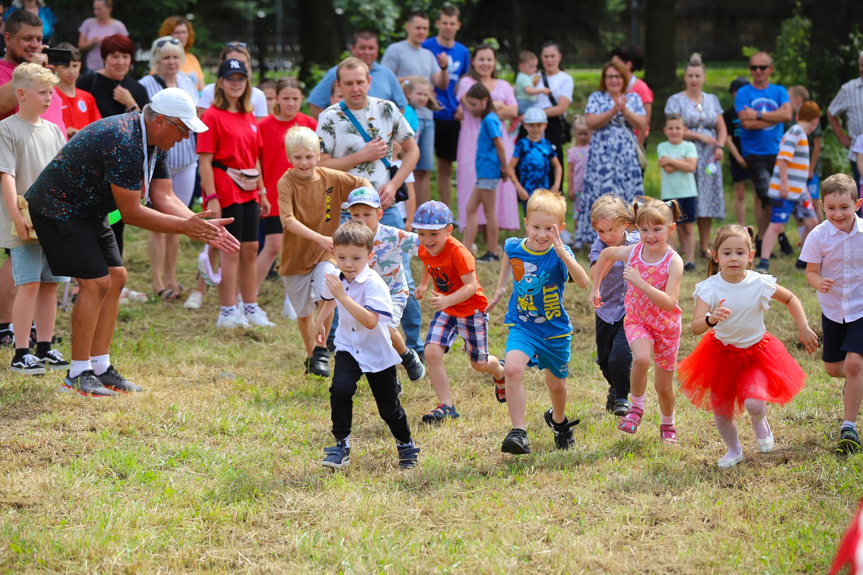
(446, 269)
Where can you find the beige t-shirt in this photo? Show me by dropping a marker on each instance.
(25, 150)
(317, 204)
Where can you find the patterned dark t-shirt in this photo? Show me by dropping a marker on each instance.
(76, 184)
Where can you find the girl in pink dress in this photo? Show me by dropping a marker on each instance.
(652, 324)
(482, 69)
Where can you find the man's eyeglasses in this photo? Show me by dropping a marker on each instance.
(172, 41)
(183, 130)
(760, 67)
(232, 45)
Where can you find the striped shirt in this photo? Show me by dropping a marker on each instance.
(183, 153)
(793, 149)
(849, 101)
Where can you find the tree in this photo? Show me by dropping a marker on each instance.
(319, 35)
(659, 44)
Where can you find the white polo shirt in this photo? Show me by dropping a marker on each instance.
(841, 259)
(372, 348)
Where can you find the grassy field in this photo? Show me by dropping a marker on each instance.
(216, 466)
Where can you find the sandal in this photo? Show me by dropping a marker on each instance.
(167, 294)
(500, 387)
(668, 433)
(631, 421)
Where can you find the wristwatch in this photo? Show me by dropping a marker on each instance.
(759, 115)
(707, 319)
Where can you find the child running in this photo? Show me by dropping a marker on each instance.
(576, 158)
(458, 301)
(363, 345)
(533, 160)
(612, 350)
(539, 327)
(833, 253)
(652, 322)
(490, 167)
(739, 364)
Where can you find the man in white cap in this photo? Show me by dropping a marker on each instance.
(116, 163)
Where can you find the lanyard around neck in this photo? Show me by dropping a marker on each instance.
(149, 167)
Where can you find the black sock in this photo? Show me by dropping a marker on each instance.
(42, 348)
(20, 352)
(4, 326)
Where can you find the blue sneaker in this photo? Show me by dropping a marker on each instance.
(408, 455)
(338, 456)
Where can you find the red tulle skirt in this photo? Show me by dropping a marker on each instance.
(719, 377)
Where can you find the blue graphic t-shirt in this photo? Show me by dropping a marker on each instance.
(487, 162)
(761, 142)
(534, 163)
(536, 303)
(458, 58)
(76, 184)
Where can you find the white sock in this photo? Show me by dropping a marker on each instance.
(100, 363)
(347, 441)
(78, 367)
(666, 419)
(849, 425)
(228, 310)
(250, 308)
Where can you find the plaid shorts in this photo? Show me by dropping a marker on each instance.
(444, 330)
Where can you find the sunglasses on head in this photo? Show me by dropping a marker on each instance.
(758, 67)
(172, 41)
(232, 45)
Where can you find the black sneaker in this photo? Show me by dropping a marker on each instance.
(785, 245)
(689, 267)
(763, 266)
(412, 364)
(515, 442)
(53, 360)
(562, 431)
(422, 355)
(113, 380)
(849, 441)
(86, 383)
(338, 456)
(440, 413)
(408, 455)
(319, 363)
(28, 365)
(488, 257)
(621, 406)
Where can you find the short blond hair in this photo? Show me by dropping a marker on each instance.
(28, 74)
(162, 47)
(607, 206)
(302, 138)
(547, 202)
(351, 63)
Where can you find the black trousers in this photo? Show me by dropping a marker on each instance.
(346, 374)
(613, 357)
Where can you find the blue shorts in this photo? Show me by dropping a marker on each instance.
(445, 329)
(487, 183)
(840, 339)
(29, 265)
(781, 210)
(425, 141)
(551, 354)
(687, 209)
(814, 186)
(525, 105)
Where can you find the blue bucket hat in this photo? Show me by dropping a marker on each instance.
(432, 215)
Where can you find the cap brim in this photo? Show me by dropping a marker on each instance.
(364, 203)
(195, 124)
(429, 226)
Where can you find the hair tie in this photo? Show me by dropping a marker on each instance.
(669, 204)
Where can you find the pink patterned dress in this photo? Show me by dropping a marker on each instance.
(644, 318)
(507, 198)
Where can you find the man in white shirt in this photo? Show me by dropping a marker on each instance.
(849, 101)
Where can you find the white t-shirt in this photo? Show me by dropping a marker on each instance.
(561, 86)
(747, 301)
(258, 99)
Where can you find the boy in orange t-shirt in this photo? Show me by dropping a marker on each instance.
(458, 302)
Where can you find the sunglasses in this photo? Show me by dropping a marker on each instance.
(183, 129)
(232, 45)
(761, 68)
(172, 41)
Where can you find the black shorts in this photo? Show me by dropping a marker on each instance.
(247, 218)
(446, 139)
(82, 249)
(760, 170)
(738, 172)
(271, 226)
(687, 209)
(840, 339)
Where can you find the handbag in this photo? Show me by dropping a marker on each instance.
(565, 126)
(246, 179)
(640, 153)
(402, 192)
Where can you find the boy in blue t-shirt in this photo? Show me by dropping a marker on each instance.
(533, 159)
(539, 327)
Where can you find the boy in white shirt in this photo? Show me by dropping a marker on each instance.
(363, 344)
(834, 255)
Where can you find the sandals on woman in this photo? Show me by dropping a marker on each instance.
(631, 421)
(167, 294)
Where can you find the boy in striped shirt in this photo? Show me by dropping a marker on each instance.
(788, 192)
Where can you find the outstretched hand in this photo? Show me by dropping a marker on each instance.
(212, 232)
(498, 295)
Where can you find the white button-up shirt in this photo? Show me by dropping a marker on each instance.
(372, 348)
(850, 101)
(841, 259)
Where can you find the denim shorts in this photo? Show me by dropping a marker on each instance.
(487, 183)
(29, 265)
(425, 141)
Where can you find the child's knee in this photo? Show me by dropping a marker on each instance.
(555, 384)
(641, 359)
(513, 370)
(853, 365)
(433, 352)
(755, 407)
(836, 369)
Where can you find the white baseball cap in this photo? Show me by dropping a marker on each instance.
(176, 103)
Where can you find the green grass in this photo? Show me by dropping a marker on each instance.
(216, 466)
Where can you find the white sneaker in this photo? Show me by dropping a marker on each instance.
(194, 301)
(766, 445)
(288, 311)
(232, 320)
(259, 318)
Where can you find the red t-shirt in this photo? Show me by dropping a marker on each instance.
(275, 160)
(446, 269)
(234, 140)
(79, 111)
(641, 88)
(54, 113)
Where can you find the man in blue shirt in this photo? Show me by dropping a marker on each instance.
(383, 83)
(762, 108)
(453, 57)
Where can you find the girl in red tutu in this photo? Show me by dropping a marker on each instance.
(738, 365)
